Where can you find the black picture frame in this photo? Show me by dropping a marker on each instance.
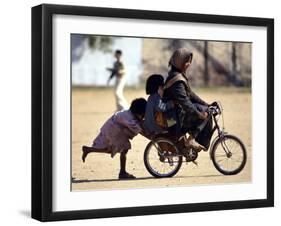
(42, 107)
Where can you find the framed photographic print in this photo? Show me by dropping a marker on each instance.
(145, 112)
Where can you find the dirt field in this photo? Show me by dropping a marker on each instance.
(91, 107)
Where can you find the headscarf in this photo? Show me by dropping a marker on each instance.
(180, 57)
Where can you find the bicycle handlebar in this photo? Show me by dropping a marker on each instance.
(215, 108)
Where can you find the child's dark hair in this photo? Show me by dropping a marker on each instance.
(118, 51)
(153, 83)
(138, 106)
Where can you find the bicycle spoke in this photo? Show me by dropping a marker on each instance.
(227, 163)
(160, 158)
(236, 159)
(228, 155)
(222, 155)
(221, 160)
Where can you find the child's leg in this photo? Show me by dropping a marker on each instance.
(123, 174)
(189, 138)
(86, 150)
(123, 159)
(190, 142)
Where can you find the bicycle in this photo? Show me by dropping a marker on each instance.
(163, 157)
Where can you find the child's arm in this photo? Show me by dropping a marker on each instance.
(197, 99)
(184, 99)
(134, 128)
(132, 125)
(144, 132)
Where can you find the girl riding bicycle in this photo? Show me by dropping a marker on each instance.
(192, 107)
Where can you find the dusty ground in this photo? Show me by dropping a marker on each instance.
(90, 109)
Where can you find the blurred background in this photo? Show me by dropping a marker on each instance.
(221, 71)
(215, 63)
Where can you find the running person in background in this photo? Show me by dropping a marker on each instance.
(118, 71)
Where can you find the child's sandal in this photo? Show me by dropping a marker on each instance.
(126, 176)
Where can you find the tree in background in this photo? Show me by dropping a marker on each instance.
(103, 43)
(206, 68)
(80, 42)
(173, 44)
(231, 75)
(235, 74)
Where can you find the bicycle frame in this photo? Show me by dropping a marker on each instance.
(220, 135)
(166, 154)
(217, 128)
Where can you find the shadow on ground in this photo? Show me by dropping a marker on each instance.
(74, 180)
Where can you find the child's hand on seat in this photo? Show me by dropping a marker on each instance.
(204, 115)
(161, 91)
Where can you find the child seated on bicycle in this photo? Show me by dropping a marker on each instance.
(116, 133)
(159, 115)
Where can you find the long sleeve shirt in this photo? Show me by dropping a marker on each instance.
(181, 93)
(154, 104)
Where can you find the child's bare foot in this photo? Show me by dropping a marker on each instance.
(193, 144)
(126, 176)
(85, 153)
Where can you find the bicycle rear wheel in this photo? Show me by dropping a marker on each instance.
(229, 155)
(161, 158)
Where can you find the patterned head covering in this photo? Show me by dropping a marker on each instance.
(180, 57)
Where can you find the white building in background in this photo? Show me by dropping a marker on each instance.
(89, 68)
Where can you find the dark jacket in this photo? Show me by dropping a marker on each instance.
(182, 94)
(189, 105)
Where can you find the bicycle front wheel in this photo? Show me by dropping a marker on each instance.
(161, 158)
(229, 155)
